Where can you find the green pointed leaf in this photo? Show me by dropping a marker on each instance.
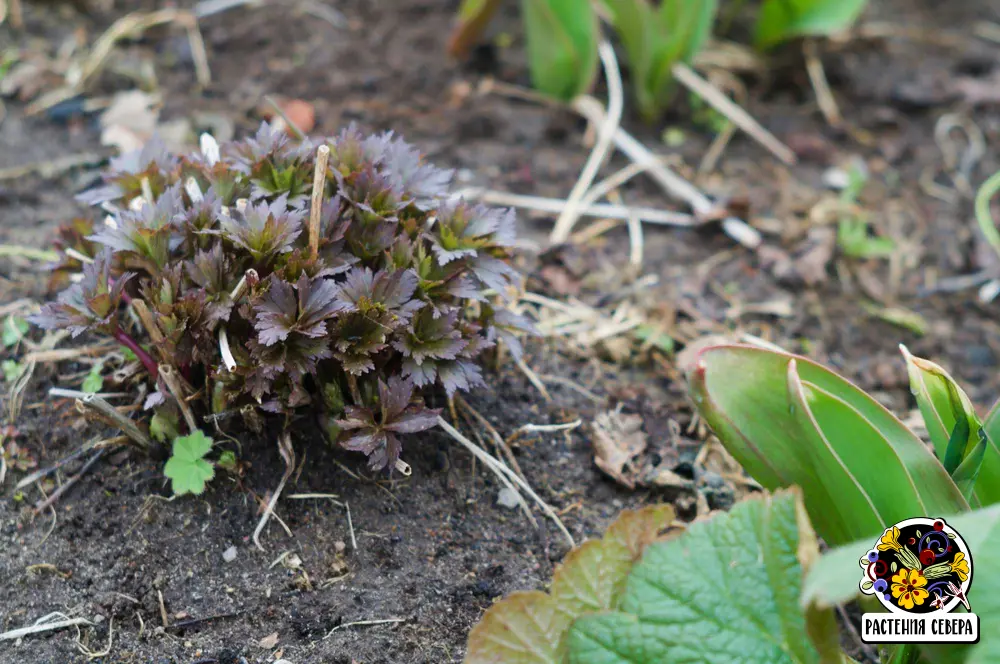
(855, 509)
(164, 425)
(967, 473)
(562, 38)
(187, 468)
(725, 591)
(94, 381)
(530, 627)
(956, 446)
(781, 20)
(827, 436)
(834, 580)
(942, 404)
(14, 329)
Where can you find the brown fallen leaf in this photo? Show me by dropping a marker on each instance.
(269, 641)
(617, 439)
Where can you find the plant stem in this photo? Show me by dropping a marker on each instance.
(122, 337)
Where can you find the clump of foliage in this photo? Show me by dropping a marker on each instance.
(264, 296)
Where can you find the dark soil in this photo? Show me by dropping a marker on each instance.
(435, 550)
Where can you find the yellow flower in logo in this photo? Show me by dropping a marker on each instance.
(890, 540)
(908, 588)
(960, 566)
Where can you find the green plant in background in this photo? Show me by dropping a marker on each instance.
(655, 38)
(562, 38)
(853, 230)
(782, 20)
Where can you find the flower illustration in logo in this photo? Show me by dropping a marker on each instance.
(918, 566)
(890, 540)
(960, 566)
(908, 587)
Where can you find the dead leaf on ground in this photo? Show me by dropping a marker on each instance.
(269, 641)
(618, 438)
(134, 117)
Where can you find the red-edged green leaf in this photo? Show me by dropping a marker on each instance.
(742, 392)
(727, 590)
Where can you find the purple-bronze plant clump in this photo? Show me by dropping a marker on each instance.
(403, 290)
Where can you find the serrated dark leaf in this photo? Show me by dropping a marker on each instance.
(363, 431)
(91, 304)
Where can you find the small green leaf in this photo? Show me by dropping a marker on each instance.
(14, 329)
(164, 425)
(12, 370)
(780, 20)
(228, 461)
(648, 334)
(187, 468)
(94, 381)
(530, 627)
(725, 591)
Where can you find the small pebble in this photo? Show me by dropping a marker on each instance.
(836, 178)
(507, 498)
(339, 546)
(229, 555)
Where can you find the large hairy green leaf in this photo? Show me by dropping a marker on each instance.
(562, 45)
(790, 421)
(834, 580)
(530, 627)
(780, 20)
(725, 591)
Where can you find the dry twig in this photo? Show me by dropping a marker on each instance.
(288, 455)
(500, 468)
(724, 105)
(605, 136)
